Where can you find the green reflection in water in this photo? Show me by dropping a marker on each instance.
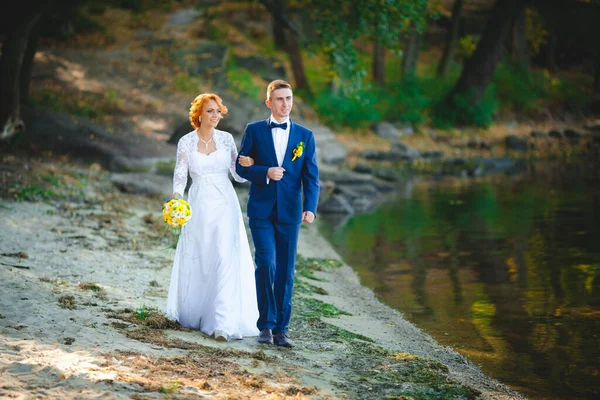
(505, 270)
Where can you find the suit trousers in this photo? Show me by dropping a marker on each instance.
(275, 246)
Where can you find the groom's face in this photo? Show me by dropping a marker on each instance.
(280, 103)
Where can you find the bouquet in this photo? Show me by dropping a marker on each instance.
(176, 212)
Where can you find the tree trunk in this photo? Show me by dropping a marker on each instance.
(278, 28)
(28, 57)
(10, 66)
(480, 67)
(301, 83)
(451, 38)
(411, 54)
(379, 64)
(520, 50)
(596, 88)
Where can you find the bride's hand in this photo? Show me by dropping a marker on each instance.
(246, 161)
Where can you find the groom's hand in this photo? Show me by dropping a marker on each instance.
(275, 173)
(308, 216)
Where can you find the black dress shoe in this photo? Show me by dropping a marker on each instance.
(282, 339)
(265, 336)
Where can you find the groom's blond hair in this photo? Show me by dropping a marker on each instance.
(277, 84)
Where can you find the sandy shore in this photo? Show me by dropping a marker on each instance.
(82, 266)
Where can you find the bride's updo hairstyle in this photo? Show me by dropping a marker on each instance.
(199, 102)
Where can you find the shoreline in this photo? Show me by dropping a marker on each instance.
(80, 268)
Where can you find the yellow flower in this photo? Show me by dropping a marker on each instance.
(298, 151)
(176, 212)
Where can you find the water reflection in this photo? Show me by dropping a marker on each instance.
(505, 270)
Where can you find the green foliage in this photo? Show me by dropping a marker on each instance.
(84, 105)
(461, 110)
(409, 102)
(165, 167)
(337, 110)
(526, 89)
(466, 46)
(241, 81)
(185, 83)
(142, 312)
(140, 6)
(172, 387)
(340, 23)
(33, 193)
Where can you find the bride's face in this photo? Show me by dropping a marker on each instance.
(211, 113)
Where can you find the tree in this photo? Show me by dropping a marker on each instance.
(339, 24)
(451, 38)
(520, 48)
(16, 25)
(378, 63)
(480, 67)
(411, 53)
(286, 36)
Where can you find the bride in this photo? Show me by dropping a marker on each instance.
(212, 281)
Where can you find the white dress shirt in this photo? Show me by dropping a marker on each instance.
(280, 139)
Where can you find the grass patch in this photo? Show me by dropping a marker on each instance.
(93, 106)
(307, 266)
(243, 81)
(314, 309)
(184, 83)
(165, 167)
(301, 286)
(67, 302)
(94, 287)
(202, 373)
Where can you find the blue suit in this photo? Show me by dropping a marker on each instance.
(275, 214)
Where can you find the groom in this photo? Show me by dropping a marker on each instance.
(284, 192)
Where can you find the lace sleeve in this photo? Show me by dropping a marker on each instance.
(180, 174)
(234, 159)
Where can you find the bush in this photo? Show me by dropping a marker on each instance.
(357, 111)
(410, 103)
(460, 110)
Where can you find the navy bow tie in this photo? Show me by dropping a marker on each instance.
(274, 124)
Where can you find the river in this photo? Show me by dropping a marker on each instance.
(504, 269)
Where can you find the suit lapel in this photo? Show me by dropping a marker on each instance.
(268, 141)
(292, 142)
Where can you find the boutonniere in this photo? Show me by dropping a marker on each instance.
(298, 151)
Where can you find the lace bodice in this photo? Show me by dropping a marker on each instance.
(188, 145)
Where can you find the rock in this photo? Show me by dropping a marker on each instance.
(376, 155)
(513, 142)
(335, 203)
(142, 183)
(594, 127)
(555, 134)
(62, 133)
(329, 150)
(386, 130)
(406, 128)
(572, 134)
(361, 197)
(267, 67)
(538, 134)
(363, 168)
(184, 17)
(387, 174)
(432, 154)
(345, 177)
(405, 150)
(207, 59)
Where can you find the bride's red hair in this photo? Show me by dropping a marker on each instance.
(199, 102)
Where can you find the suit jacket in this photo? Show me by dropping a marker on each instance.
(297, 191)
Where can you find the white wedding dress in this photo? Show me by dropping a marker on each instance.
(212, 282)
